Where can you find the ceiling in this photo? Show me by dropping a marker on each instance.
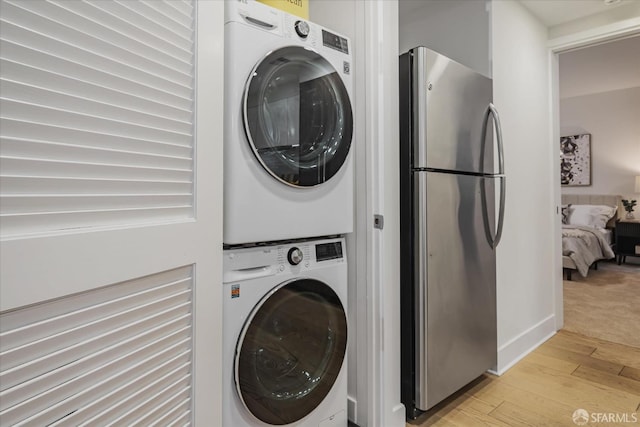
(555, 12)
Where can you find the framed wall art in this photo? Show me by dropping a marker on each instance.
(575, 160)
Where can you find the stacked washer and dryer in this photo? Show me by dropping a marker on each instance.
(288, 202)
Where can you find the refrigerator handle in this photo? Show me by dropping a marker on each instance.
(493, 112)
(503, 190)
(503, 178)
(493, 239)
(496, 118)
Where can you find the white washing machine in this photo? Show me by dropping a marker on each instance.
(288, 170)
(285, 335)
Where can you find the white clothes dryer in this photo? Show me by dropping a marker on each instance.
(285, 335)
(288, 133)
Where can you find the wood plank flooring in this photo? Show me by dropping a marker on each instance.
(566, 373)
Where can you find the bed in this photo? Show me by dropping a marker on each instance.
(587, 231)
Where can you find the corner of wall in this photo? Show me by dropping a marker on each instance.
(517, 348)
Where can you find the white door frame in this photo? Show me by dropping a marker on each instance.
(591, 37)
(377, 191)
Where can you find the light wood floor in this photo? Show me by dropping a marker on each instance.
(566, 373)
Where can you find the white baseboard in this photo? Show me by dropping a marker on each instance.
(513, 351)
(399, 415)
(352, 409)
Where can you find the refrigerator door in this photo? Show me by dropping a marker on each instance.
(450, 102)
(455, 275)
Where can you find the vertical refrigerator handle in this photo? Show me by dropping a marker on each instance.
(496, 118)
(493, 112)
(493, 239)
(503, 189)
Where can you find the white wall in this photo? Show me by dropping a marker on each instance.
(588, 23)
(525, 265)
(344, 22)
(374, 319)
(602, 68)
(459, 29)
(600, 95)
(612, 119)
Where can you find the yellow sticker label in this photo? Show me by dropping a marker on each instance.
(295, 7)
(235, 291)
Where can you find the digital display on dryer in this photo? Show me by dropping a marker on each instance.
(327, 251)
(334, 41)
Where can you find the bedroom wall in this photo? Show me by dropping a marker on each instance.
(600, 95)
(525, 264)
(612, 120)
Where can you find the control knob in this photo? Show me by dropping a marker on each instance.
(295, 256)
(302, 28)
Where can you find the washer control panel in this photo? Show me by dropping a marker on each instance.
(265, 18)
(245, 263)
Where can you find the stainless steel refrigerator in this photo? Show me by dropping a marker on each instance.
(449, 182)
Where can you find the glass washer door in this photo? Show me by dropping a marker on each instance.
(297, 116)
(290, 351)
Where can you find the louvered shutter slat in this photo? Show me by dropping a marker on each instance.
(169, 9)
(76, 34)
(21, 185)
(33, 205)
(100, 353)
(18, 60)
(30, 113)
(156, 406)
(30, 76)
(175, 415)
(27, 94)
(132, 32)
(90, 333)
(14, 147)
(182, 6)
(156, 19)
(43, 133)
(143, 23)
(96, 114)
(79, 356)
(75, 220)
(122, 400)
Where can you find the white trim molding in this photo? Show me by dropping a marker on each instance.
(517, 348)
(378, 399)
(603, 34)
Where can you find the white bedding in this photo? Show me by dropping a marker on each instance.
(607, 234)
(585, 245)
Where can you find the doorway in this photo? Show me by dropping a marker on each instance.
(588, 39)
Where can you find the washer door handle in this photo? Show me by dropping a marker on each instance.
(247, 274)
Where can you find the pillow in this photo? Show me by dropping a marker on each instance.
(591, 215)
(565, 213)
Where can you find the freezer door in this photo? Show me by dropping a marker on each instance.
(450, 102)
(455, 276)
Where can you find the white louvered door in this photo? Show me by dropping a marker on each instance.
(97, 114)
(110, 212)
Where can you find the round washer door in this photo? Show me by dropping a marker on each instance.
(297, 116)
(290, 351)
